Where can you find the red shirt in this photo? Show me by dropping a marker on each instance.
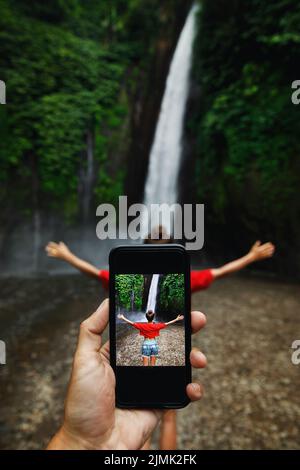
(149, 330)
(199, 279)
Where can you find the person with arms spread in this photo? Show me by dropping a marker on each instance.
(200, 279)
(150, 331)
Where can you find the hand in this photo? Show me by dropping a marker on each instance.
(180, 317)
(58, 250)
(261, 251)
(91, 419)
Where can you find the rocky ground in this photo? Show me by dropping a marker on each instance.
(252, 398)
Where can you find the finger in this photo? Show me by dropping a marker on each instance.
(105, 351)
(51, 252)
(268, 254)
(194, 391)
(198, 321)
(267, 245)
(52, 245)
(197, 359)
(92, 327)
(268, 251)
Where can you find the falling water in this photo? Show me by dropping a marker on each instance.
(165, 155)
(151, 304)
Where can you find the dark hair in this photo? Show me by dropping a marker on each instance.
(159, 235)
(150, 316)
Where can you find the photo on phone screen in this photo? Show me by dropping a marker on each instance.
(150, 327)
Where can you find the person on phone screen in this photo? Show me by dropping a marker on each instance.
(200, 279)
(150, 331)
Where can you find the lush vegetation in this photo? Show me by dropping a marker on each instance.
(77, 72)
(246, 127)
(72, 70)
(171, 295)
(129, 291)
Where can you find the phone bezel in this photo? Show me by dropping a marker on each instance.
(159, 254)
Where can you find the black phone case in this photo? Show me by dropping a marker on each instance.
(155, 249)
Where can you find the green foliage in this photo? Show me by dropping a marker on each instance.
(72, 67)
(246, 126)
(128, 285)
(171, 294)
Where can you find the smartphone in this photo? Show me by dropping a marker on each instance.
(150, 325)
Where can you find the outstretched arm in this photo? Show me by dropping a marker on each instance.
(178, 318)
(61, 251)
(125, 319)
(257, 252)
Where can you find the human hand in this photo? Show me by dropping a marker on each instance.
(58, 250)
(261, 251)
(91, 419)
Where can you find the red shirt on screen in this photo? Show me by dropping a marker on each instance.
(149, 330)
(199, 279)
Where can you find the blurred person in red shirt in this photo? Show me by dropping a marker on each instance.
(200, 279)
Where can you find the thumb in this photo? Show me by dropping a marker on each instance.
(92, 328)
(256, 244)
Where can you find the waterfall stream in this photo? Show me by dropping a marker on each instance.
(166, 151)
(151, 303)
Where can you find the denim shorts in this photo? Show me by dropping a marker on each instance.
(149, 348)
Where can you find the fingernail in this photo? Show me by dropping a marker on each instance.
(197, 389)
(200, 356)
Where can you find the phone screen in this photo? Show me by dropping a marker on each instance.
(150, 325)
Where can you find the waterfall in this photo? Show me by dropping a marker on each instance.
(151, 303)
(165, 154)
